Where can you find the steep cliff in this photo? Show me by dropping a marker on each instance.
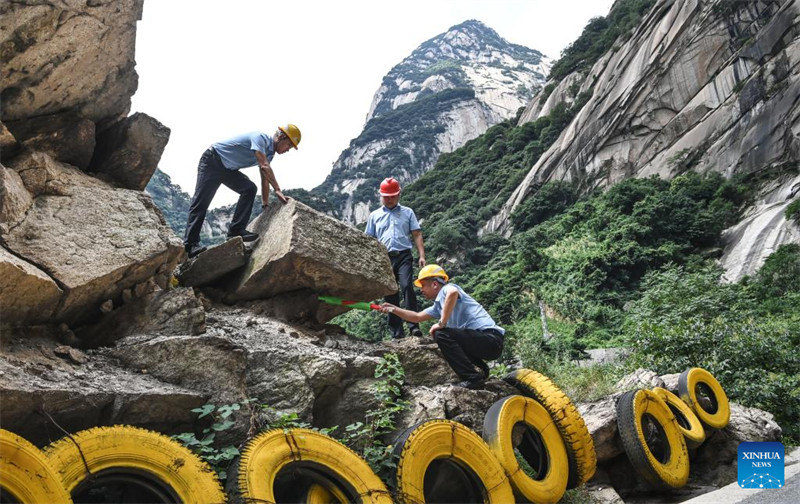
(706, 86)
(448, 91)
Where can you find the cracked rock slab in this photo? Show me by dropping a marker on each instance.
(96, 393)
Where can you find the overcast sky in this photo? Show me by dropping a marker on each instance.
(211, 70)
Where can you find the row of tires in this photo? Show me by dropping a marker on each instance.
(534, 447)
(658, 429)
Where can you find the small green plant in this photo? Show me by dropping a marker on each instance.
(364, 437)
(793, 211)
(217, 457)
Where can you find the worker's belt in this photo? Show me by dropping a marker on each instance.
(493, 331)
(397, 253)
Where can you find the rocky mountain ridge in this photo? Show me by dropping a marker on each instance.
(701, 86)
(448, 91)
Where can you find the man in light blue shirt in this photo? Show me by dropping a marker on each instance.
(466, 334)
(394, 226)
(220, 164)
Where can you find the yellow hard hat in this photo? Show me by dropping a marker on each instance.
(293, 132)
(429, 271)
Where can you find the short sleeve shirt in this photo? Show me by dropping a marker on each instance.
(239, 152)
(392, 227)
(467, 313)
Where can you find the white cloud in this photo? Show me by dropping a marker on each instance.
(211, 70)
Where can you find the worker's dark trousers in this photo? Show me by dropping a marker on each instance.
(210, 174)
(466, 349)
(403, 268)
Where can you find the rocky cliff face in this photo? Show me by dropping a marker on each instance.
(448, 91)
(708, 86)
(89, 45)
(76, 231)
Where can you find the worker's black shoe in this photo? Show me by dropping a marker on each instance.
(246, 236)
(471, 384)
(416, 332)
(193, 250)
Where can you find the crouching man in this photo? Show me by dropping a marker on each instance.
(465, 333)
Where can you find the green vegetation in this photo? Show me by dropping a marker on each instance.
(204, 446)
(793, 211)
(469, 185)
(363, 437)
(598, 37)
(586, 260)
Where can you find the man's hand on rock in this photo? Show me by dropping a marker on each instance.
(435, 327)
(387, 307)
(284, 199)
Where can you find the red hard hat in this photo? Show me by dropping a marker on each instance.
(390, 187)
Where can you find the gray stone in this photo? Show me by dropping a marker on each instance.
(671, 382)
(641, 378)
(302, 248)
(210, 364)
(44, 176)
(27, 294)
(73, 354)
(64, 137)
(79, 397)
(601, 421)
(175, 311)
(128, 151)
(213, 264)
(94, 240)
(8, 144)
(422, 361)
(75, 57)
(15, 200)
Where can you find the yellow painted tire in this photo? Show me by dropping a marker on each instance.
(139, 453)
(577, 440)
(688, 423)
(306, 450)
(541, 446)
(319, 494)
(651, 438)
(716, 412)
(25, 473)
(463, 452)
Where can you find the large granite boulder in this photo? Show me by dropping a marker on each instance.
(68, 56)
(302, 248)
(128, 152)
(37, 382)
(27, 294)
(65, 137)
(93, 239)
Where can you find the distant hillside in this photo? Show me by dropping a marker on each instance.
(448, 91)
